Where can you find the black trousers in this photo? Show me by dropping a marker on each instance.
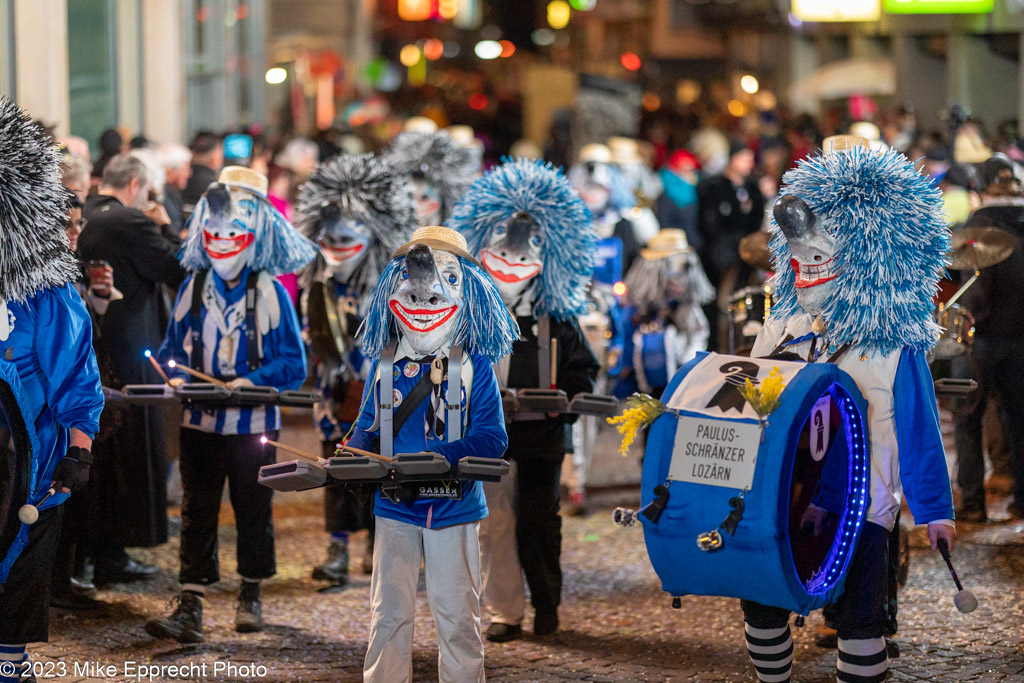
(860, 612)
(347, 507)
(206, 461)
(25, 596)
(539, 527)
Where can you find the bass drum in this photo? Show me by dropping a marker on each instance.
(16, 475)
(803, 498)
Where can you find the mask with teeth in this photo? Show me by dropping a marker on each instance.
(513, 256)
(813, 248)
(344, 242)
(229, 231)
(595, 187)
(428, 202)
(427, 301)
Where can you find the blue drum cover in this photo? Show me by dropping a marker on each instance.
(756, 563)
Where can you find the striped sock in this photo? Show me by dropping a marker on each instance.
(862, 661)
(11, 658)
(771, 652)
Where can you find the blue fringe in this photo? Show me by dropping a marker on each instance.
(277, 248)
(542, 191)
(891, 248)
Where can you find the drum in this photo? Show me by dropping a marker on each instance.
(957, 336)
(799, 481)
(748, 309)
(214, 395)
(294, 475)
(17, 478)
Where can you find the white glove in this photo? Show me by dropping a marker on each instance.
(240, 382)
(176, 382)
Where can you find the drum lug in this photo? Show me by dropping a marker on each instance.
(677, 603)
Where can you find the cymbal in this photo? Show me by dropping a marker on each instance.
(981, 247)
(754, 250)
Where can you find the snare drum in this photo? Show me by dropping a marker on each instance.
(957, 336)
(748, 309)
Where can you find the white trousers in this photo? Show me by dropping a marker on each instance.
(503, 593)
(451, 560)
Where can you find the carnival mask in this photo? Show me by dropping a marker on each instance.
(813, 248)
(344, 242)
(513, 257)
(595, 188)
(427, 301)
(677, 275)
(427, 199)
(229, 230)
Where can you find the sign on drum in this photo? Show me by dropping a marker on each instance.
(715, 452)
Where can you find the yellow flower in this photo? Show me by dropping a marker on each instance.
(764, 398)
(641, 411)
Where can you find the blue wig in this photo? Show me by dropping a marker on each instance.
(484, 324)
(891, 247)
(278, 247)
(543, 192)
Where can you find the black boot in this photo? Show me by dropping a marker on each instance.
(335, 569)
(249, 615)
(185, 624)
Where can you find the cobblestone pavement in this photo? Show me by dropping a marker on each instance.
(617, 625)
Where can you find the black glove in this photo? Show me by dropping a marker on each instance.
(72, 472)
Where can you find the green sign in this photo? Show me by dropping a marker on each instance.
(938, 6)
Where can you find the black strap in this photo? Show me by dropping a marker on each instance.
(252, 329)
(198, 282)
(785, 340)
(834, 358)
(414, 399)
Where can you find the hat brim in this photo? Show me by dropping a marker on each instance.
(436, 244)
(655, 254)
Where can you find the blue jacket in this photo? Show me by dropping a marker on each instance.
(284, 354)
(483, 435)
(50, 347)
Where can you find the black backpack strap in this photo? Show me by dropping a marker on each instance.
(252, 329)
(414, 399)
(544, 352)
(195, 319)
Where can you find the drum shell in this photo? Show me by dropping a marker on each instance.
(756, 563)
(957, 336)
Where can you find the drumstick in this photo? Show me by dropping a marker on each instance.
(198, 375)
(554, 363)
(368, 454)
(291, 449)
(159, 370)
(29, 514)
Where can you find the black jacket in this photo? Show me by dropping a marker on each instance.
(727, 214)
(997, 298)
(201, 179)
(577, 370)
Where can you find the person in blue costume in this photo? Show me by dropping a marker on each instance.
(232, 320)
(49, 380)
(359, 210)
(532, 234)
(432, 304)
(859, 242)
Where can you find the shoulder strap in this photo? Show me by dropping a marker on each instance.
(386, 400)
(544, 351)
(252, 328)
(195, 319)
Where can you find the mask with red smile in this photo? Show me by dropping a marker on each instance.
(429, 296)
(513, 257)
(343, 243)
(813, 248)
(229, 231)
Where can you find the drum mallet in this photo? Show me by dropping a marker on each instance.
(29, 514)
(198, 375)
(156, 366)
(965, 600)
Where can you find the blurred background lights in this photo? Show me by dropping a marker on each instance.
(558, 14)
(508, 48)
(543, 37)
(488, 49)
(630, 61)
(276, 75)
(749, 84)
(409, 55)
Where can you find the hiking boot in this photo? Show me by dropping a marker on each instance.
(335, 569)
(185, 624)
(249, 615)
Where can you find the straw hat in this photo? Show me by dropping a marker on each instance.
(419, 124)
(437, 237)
(624, 151)
(865, 129)
(595, 152)
(668, 242)
(840, 143)
(244, 178)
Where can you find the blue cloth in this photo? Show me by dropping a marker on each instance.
(608, 265)
(922, 457)
(284, 356)
(56, 384)
(483, 435)
(678, 190)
